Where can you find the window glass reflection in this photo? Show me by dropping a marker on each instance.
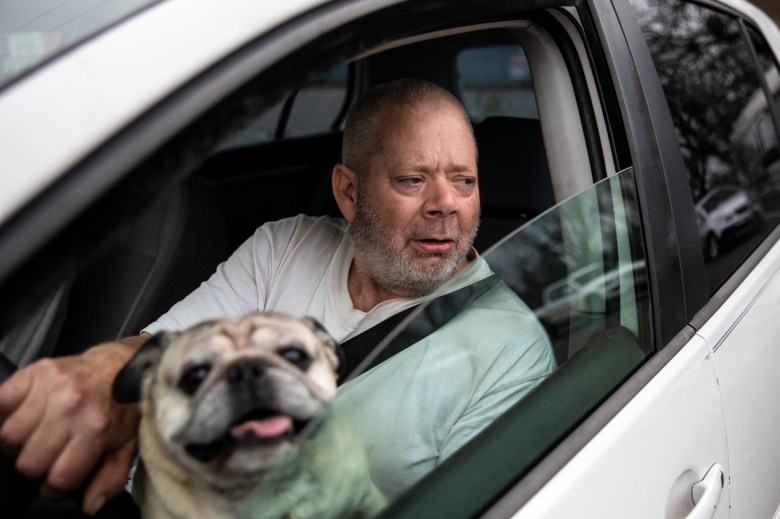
(725, 123)
(34, 31)
(768, 174)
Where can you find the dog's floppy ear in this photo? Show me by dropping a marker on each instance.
(128, 382)
(332, 349)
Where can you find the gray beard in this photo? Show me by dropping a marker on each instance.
(393, 269)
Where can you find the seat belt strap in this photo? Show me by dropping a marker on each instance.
(357, 348)
(433, 315)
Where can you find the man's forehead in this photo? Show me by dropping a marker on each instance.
(411, 130)
(433, 105)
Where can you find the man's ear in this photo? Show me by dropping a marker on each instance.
(344, 182)
(129, 381)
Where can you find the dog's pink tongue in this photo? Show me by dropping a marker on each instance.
(268, 428)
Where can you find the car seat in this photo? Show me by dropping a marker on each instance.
(167, 252)
(514, 179)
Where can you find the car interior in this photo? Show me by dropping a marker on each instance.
(539, 160)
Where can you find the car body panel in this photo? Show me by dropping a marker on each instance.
(746, 360)
(630, 468)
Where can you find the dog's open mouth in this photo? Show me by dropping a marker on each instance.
(262, 429)
(256, 428)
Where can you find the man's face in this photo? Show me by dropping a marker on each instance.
(418, 208)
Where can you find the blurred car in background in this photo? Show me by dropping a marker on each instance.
(725, 215)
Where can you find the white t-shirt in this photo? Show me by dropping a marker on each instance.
(298, 266)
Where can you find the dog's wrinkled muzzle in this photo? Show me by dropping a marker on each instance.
(254, 405)
(258, 428)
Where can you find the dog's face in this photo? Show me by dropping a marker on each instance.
(227, 397)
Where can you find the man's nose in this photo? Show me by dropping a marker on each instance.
(440, 199)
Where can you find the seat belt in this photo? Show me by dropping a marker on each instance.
(434, 314)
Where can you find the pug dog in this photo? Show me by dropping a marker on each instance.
(223, 405)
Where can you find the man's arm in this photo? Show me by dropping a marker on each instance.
(58, 418)
(485, 412)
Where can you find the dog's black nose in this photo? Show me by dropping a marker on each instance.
(245, 371)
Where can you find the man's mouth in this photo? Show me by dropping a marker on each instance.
(434, 246)
(256, 428)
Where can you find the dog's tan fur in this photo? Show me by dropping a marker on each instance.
(194, 387)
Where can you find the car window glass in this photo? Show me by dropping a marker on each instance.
(31, 32)
(768, 123)
(725, 123)
(317, 106)
(495, 81)
(580, 266)
(510, 371)
(313, 109)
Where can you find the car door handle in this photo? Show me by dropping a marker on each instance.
(706, 493)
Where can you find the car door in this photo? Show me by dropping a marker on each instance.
(743, 358)
(723, 357)
(730, 159)
(648, 458)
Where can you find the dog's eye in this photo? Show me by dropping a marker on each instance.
(295, 356)
(193, 377)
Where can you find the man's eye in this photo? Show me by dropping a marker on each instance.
(295, 356)
(193, 377)
(410, 180)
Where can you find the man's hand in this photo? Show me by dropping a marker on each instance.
(57, 416)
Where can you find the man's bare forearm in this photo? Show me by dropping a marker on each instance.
(122, 349)
(93, 433)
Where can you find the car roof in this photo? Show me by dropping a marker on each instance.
(71, 104)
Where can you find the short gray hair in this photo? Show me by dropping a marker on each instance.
(363, 130)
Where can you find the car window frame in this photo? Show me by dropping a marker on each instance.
(745, 27)
(709, 303)
(628, 74)
(675, 258)
(622, 38)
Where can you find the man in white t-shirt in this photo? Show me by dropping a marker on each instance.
(421, 405)
(408, 193)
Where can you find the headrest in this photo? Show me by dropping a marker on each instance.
(513, 171)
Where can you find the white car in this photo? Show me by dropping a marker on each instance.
(726, 216)
(143, 141)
